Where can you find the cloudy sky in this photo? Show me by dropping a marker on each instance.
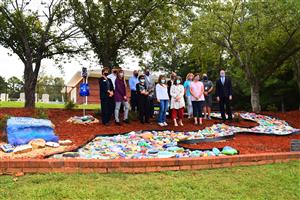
(12, 65)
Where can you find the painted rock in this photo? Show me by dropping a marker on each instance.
(23, 149)
(37, 143)
(7, 148)
(65, 142)
(52, 144)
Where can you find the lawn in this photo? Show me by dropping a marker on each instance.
(276, 181)
(17, 104)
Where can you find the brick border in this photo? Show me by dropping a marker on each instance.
(14, 166)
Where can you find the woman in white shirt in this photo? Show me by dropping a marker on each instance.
(177, 101)
(162, 96)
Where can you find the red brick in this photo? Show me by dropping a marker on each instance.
(100, 170)
(185, 167)
(197, 167)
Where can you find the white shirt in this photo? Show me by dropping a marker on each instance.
(162, 92)
(113, 78)
(177, 90)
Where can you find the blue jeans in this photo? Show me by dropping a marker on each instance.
(163, 108)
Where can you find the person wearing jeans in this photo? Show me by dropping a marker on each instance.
(197, 92)
(187, 83)
(120, 97)
(162, 96)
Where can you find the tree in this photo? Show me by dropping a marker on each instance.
(15, 86)
(116, 27)
(50, 85)
(3, 85)
(259, 35)
(35, 35)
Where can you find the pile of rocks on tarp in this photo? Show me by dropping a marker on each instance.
(149, 144)
(87, 119)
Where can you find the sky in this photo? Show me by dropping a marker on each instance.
(12, 65)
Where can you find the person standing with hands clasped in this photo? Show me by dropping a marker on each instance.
(177, 101)
(162, 97)
(208, 88)
(106, 97)
(224, 95)
(143, 100)
(120, 97)
(197, 92)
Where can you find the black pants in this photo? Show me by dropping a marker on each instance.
(133, 101)
(107, 109)
(151, 107)
(144, 108)
(224, 101)
(197, 108)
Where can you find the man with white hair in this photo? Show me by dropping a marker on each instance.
(224, 95)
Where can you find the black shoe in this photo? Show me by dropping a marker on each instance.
(118, 123)
(126, 121)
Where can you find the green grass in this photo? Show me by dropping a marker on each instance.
(16, 104)
(276, 181)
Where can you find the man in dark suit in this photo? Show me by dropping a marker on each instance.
(224, 95)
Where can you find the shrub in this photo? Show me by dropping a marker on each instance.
(69, 105)
(41, 113)
(3, 121)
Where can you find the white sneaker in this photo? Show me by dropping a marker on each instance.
(165, 124)
(161, 124)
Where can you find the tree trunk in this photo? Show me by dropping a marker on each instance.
(30, 82)
(297, 62)
(255, 96)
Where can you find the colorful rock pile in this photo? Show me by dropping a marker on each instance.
(87, 119)
(164, 144)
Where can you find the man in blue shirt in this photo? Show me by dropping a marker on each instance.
(132, 84)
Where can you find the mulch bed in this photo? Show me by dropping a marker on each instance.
(245, 143)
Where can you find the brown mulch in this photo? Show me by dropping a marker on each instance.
(245, 143)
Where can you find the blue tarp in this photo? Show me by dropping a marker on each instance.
(21, 130)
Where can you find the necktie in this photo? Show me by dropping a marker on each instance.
(222, 80)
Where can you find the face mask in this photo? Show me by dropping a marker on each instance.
(178, 81)
(205, 78)
(147, 73)
(163, 81)
(136, 75)
(105, 74)
(142, 80)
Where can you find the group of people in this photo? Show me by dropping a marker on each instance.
(173, 95)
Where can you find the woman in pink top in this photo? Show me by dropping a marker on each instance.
(197, 96)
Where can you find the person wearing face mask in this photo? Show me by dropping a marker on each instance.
(150, 84)
(186, 85)
(171, 82)
(143, 100)
(132, 84)
(208, 88)
(177, 101)
(197, 92)
(162, 96)
(106, 96)
(113, 76)
(224, 95)
(120, 97)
